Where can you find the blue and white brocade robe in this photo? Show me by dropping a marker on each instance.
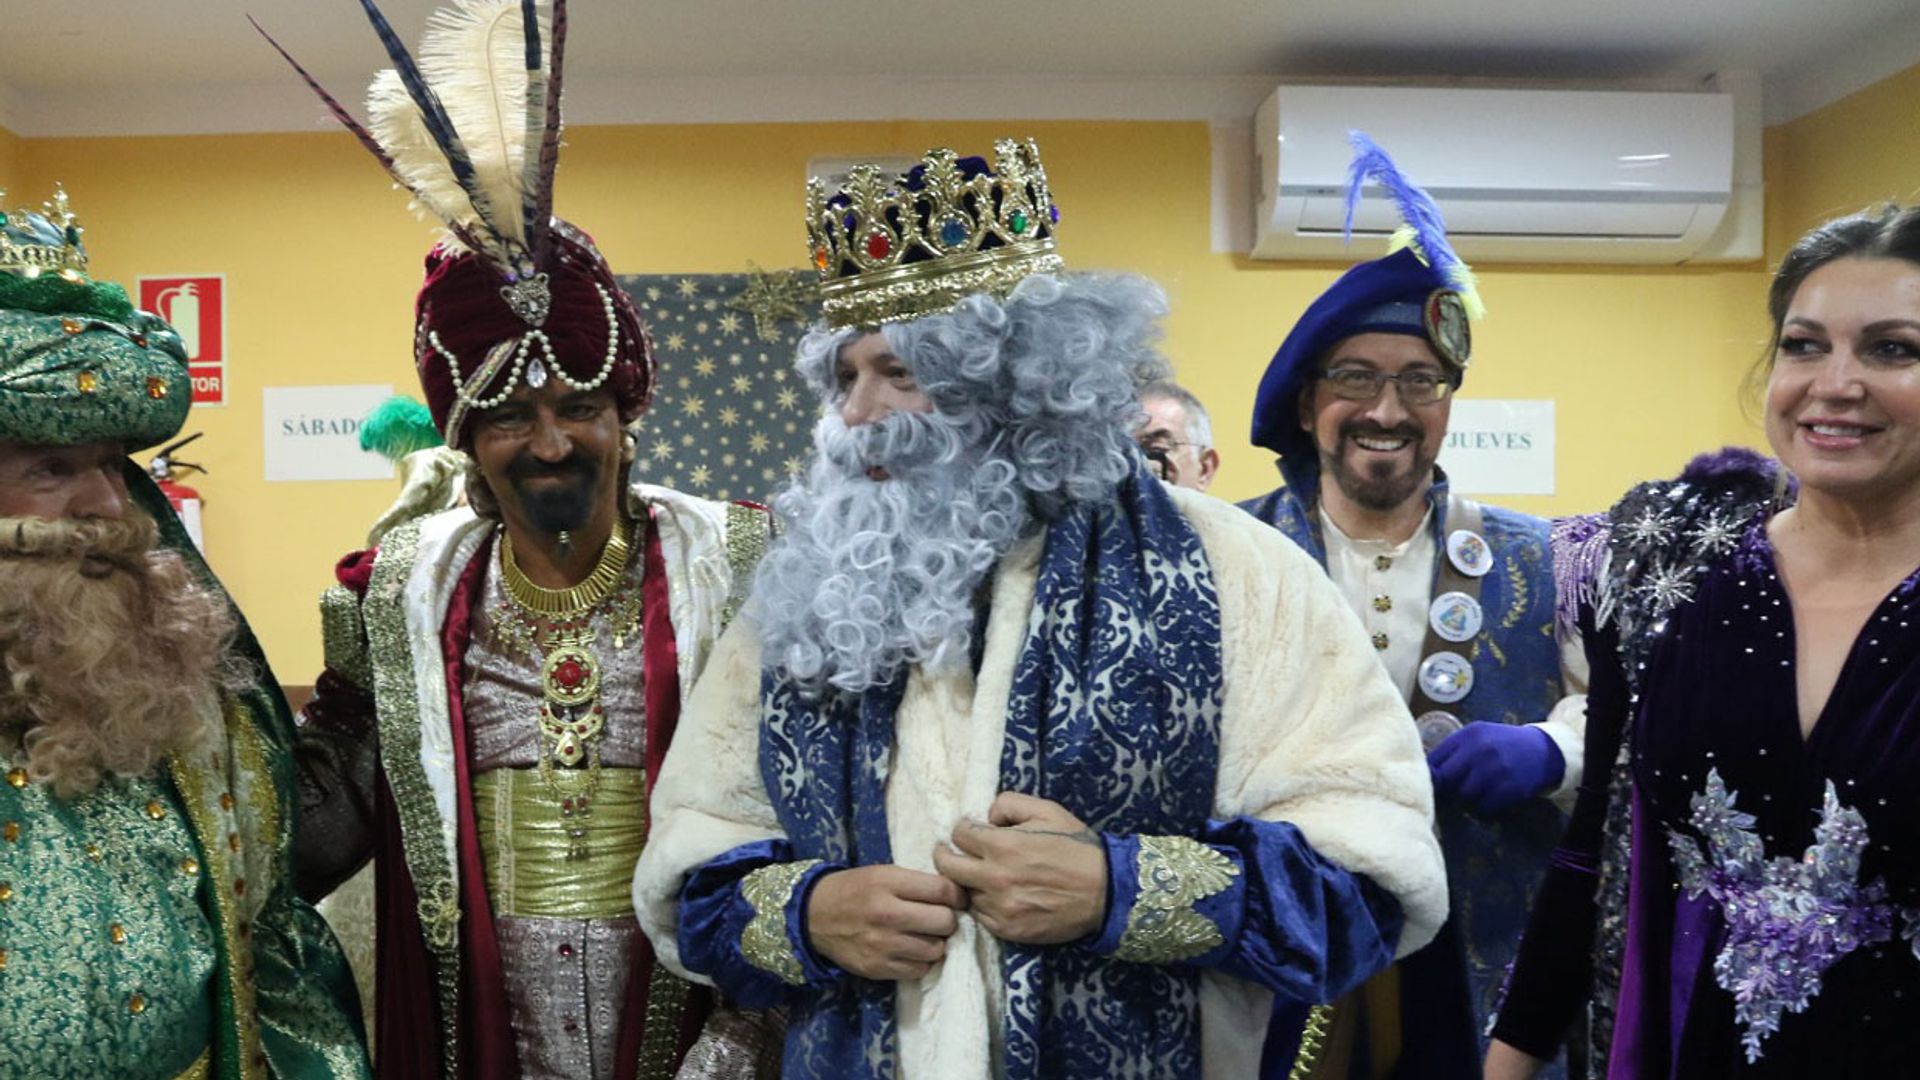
(1494, 863)
(1320, 809)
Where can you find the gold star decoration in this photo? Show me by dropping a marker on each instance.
(729, 416)
(774, 297)
(705, 365)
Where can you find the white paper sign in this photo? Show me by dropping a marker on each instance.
(1499, 447)
(313, 432)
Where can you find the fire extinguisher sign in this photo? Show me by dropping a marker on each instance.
(196, 306)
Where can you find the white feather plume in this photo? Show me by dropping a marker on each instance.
(473, 54)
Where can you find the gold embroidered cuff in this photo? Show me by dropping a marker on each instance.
(1176, 873)
(342, 636)
(764, 942)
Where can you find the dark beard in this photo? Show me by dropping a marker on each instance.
(556, 509)
(1378, 488)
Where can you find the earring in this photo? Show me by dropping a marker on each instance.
(629, 448)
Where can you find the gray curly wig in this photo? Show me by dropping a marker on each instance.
(1034, 400)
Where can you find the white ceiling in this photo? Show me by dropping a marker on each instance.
(191, 66)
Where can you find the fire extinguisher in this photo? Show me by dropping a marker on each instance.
(185, 500)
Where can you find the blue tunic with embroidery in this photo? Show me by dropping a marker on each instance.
(1114, 713)
(1494, 862)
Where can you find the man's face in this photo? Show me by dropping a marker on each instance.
(550, 456)
(1174, 457)
(871, 383)
(1380, 452)
(56, 482)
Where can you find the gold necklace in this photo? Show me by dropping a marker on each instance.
(572, 721)
(562, 603)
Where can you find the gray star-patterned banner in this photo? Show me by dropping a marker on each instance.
(730, 419)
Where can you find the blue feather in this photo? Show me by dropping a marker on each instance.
(432, 113)
(1416, 207)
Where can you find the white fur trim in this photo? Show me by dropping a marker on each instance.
(949, 1020)
(1566, 725)
(448, 542)
(709, 799)
(1312, 732)
(693, 547)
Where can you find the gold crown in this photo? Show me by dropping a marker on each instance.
(899, 247)
(47, 242)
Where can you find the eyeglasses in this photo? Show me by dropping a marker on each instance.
(1166, 446)
(1365, 384)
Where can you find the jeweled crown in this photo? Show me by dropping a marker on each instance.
(46, 242)
(899, 247)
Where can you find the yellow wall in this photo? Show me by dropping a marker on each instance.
(9, 157)
(322, 259)
(1860, 150)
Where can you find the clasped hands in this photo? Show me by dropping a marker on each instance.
(1033, 874)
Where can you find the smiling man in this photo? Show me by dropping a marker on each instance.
(1458, 599)
(503, 678)
(148, 926)
(1021, 763)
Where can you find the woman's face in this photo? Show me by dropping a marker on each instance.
(1843, 399)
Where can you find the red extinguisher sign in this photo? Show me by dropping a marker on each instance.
(196, 306)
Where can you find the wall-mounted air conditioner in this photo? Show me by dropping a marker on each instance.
(1521, 175)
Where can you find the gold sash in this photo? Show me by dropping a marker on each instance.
(524, 845)
(201, 1069)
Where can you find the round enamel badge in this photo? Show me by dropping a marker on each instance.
(1434, 726)
(1455, 616)
(1446, 323)
(1469, 553)
(1446, 677)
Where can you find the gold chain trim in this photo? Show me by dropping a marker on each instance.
(201, 780)
(666, 1000)
(747, 532)
(343, 638)
(397, 709)
(764, 942)
(1176, 872)
(1313, 1039)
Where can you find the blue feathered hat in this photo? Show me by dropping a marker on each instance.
(1421, 288)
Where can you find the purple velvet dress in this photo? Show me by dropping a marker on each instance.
(1772, 909)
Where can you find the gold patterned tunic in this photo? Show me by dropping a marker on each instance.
(566, 925)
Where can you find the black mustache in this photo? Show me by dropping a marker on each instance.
(528, 467)
(1367, 430)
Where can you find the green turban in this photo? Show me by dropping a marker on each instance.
(77, 363)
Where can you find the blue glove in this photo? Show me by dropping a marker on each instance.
(1494, 766)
